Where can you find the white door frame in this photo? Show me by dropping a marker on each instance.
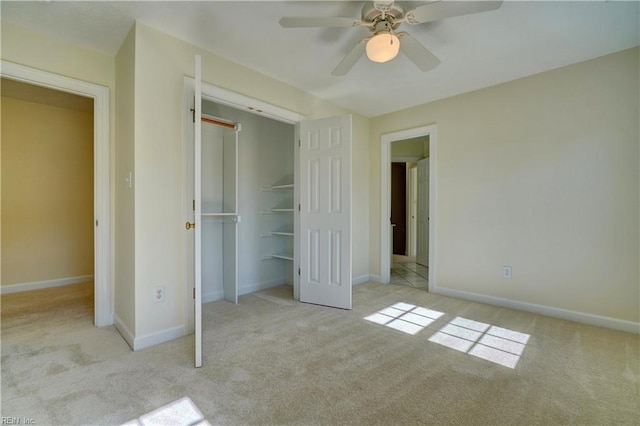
(385, 205)
(103, 267)
(245, 103)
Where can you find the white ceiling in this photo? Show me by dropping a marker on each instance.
(479, 50)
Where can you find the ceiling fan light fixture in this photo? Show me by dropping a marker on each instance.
(383, 47)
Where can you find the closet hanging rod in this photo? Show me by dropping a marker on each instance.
(218, 123)
(210, 119)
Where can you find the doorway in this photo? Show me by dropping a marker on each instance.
(409, 265)
(412, 149)
(100, 221)
(399, 222)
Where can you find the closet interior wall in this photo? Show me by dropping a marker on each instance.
(265, 159)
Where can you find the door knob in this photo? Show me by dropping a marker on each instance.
(189, 225)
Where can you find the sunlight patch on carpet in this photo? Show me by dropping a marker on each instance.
(182, 412)
(405, 317)
(495, 344)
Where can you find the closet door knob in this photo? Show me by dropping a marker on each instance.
(189, 225)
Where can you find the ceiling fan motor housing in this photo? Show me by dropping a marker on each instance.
(383, 5)
(394, 12)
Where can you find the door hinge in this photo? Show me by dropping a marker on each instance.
(193, 114)
(299, 208)
(96, 223)
(193, 205)
(299, 144)
(298, 271)
(194, 292)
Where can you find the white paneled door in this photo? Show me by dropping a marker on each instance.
(325, 212)
(422, 228)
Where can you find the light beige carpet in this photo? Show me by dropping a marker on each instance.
(271, 360)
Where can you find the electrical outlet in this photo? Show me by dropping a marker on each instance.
(506, 272)
(158, 294)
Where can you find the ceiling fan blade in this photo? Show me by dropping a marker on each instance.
(309, 22)
(447, 9)
(350, 60)
(417, 53)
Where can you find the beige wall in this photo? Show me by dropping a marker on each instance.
(161, 61)
(31, 49)
(47, 192)
(124, 195)
(410, 148)
(541, 174)
(28, 48)
(147, 228)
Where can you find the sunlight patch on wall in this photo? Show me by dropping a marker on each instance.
(405, 317)
(495, 344)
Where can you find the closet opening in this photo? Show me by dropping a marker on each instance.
(247, 202)
(265, 199)
(280, 156)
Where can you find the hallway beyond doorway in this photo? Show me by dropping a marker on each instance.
(405, 271)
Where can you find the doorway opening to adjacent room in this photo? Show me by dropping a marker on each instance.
(407, 226)
(43, 85)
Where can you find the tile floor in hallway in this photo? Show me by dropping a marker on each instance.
(409, 274)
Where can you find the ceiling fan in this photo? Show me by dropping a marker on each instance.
(382, 18)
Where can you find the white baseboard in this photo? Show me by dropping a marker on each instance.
(214, 296)
(158, 337)
(138, 343)
(364, 279)
(38, 285)
(124, 331)
(377, 279)
(263, 285)
(565, 314)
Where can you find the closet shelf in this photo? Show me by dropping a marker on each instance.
(277, 187)
(284, 256)
(276, 234)
(221, 217)
(272, 211)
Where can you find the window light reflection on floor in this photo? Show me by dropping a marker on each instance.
(495, 344)
(405, 317)
(182, 412)
(489, 342)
